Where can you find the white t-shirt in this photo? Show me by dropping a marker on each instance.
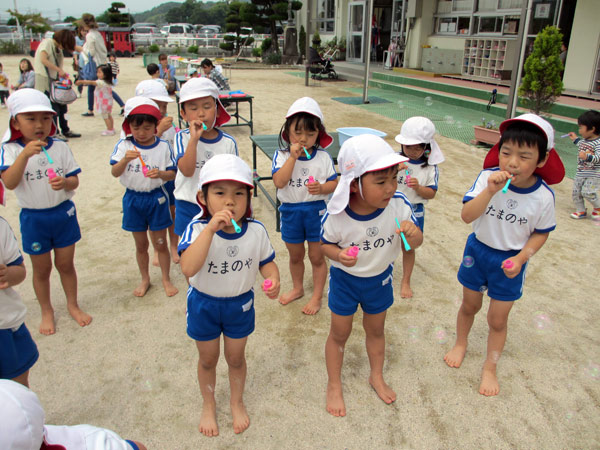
(426, 176)
(84, 437)
(158, 155)
(374, 234)
(511, 218)
(319, 166)
(186, 188)
(12, 308)
(34, 191)
(169, 136)
(233, 260)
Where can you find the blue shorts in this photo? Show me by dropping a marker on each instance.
(208, 316)
(184, 213)
(418, 210)
(481, 270)
(146, 210)
(346, 292)
(45, 229)
(301, 221)
(18, 352)
(170, 188)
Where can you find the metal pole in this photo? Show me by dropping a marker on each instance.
(307, 44)
(367, 51)
(515, 79)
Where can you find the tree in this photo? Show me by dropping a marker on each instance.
(271, 12)
(34, 22)
(70, 19)
(240, 15)
(542, 82)
(114, 17)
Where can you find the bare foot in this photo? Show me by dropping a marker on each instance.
(155, 262)
(241, 421)
(454, 357)
(82, 318)
(489, 382)
(405, 290)
(170, 290)
(174, 254)
(383, 390)
(208, 420)
(47, 326)
(141, 290)
(313, 306)
(288, 297)
(335, 400)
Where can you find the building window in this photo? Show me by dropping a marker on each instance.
(326, 14)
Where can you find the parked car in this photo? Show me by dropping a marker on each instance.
(8, 32)
(209, 31)
(147, 35)
(180, 34)
(63, 26)
(143, 25)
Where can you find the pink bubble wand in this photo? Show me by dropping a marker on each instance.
(353, 251)
(508, 264)
(51, 173)
(267, 284)
(311, 180)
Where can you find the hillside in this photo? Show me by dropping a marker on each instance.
(156, 14)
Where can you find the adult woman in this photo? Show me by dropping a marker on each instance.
(47, 65)
(94, 47)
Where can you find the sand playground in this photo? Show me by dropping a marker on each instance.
(133, 369)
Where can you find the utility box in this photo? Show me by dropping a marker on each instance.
(414, 8)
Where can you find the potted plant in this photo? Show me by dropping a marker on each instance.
(486, 133)
(316, 40)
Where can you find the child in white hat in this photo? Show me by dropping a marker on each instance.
(203, 111)
(366, 225)
(44, 175)
(22, 426)
(419, 180)
(304, 175)
(143, 163)
(512, 211)
(222, 251)
(165, 130)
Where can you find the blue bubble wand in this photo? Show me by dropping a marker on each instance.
(47, 155)
(306, 153)
(236, 226)
(406, 246)
(505, 188)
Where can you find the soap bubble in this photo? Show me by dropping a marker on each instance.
(458, 301)
(413, 333)
(569, 415)
(440, 335)
(459, 124)
(449, 120)
(400, 104)
(542, 322)
(36, 246)
(592, 370)
(494, 357)
(468, 261)
(160, 241)
(428, 101)
(147, 385)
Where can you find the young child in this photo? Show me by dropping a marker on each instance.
(508, 229)
(167, 73)
(103, 95)
(3, 87)
(48, 216)
(200, 107)
(222, 251)
(418, 181)
(18, 352)
(304, 176)
(27, 77)
(114, 67)
(142, 162)
(367, 212)
(216, 76)
(22, 419)
(587, 178)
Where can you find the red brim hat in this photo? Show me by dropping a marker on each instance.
(16, 134)
(324, 140)
(142, 109)
(552, 172)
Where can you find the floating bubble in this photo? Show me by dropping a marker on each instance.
(428, 101)
(440, 335)
(147, 385)
(459, 124)
(569, 415)
(160, 241)
(458, 301)
(36, 246)
(413, 333)
(542, 322)
(494, 357)
(449, 120)
(400, 104)
(468, 261)
(592, 370)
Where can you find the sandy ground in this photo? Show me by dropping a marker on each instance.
(133, 369)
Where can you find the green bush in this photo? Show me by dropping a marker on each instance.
(176, 50)
(274, 58)
(266, 45)
(141, 50)
(228, 46)
(257, 52)
(193, 49)
(154, 48)
(10, 48)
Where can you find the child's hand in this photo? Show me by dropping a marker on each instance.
(511, 267)
(413, 183)
(34, 148)
(346, 259)
(153, 173)
(273, 291)
(314, 188)
(164, 124)
(57, 183)
(296, 150)
(130, 155)
(196, 129)
(3, 276)
(220, 220)
(497, 180)
(408, 228)
(79, 82)
(572, 136)
(582, 155)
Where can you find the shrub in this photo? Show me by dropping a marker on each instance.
(228, 46)
(10, 48)
(266, 45)
(141, 50)
(274, 58)
(193, 49)
(154, 48)
(257, 52)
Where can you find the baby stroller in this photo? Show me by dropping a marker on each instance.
(319, 67)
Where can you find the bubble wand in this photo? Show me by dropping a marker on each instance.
(306, 153)
(267, 284)
(353, 251)
(144, 166)
(407, 175)
(505, 188)
(406, 246)
(236, 226)
(47, 155)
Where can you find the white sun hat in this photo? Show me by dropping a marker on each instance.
(421, 130)
(24, 101)
(225, 167)
(154, 90)
(359, 155)
(203, 87)
(21, 417)
(310, 106)
(139, 105)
